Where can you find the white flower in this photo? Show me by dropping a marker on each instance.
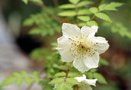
(84, 84)
(80, 46)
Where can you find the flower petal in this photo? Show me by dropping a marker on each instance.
(101, 44)
(84, 84)
(70, 30)
(81, 78)
(91, 81)
(89, 31)
(99, 39)
(64, 45)
(102, 47)
(79, 65)
(92, 61)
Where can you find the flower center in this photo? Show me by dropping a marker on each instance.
(81, 47)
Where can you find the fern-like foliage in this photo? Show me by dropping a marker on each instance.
(120, 29)
(21, 77)
(43, 23)
(85, 14)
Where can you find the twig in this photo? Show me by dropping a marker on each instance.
(68, 70)
(53, 16)
(76, 10)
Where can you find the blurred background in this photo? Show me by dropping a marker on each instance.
(18, 40)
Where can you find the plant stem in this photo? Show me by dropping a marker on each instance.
(51, 15)
(75, 87)
(93, 17)
(68, 70)
(76, 10)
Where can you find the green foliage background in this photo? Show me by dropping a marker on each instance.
(46, 23)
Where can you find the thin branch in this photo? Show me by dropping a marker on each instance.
(76, 10)
(68, 70)
(51, 15)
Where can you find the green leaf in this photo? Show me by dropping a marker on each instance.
(19, 78)
(37, 1)
(67, 13)
(82, 24)
(103, 16)
(37, 54)
(35, 76)
(73, 74)
(93, 70)
(63, 86)
(28, 80)
(71, 81)
(43, 23)
(112, 6)
(120, 29)
(60, 67)
(67, 6)
(63, 83)
(34, 1)
(91, 23)
(28, 22)
(104, 62)
(93, 10)
(83, 3)
(57, 81)
(74, 1)
(100, 78)
(60, 74)
(25, 1)
(84, 18)
(89, 75)
(84, 12)
(35, 31)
